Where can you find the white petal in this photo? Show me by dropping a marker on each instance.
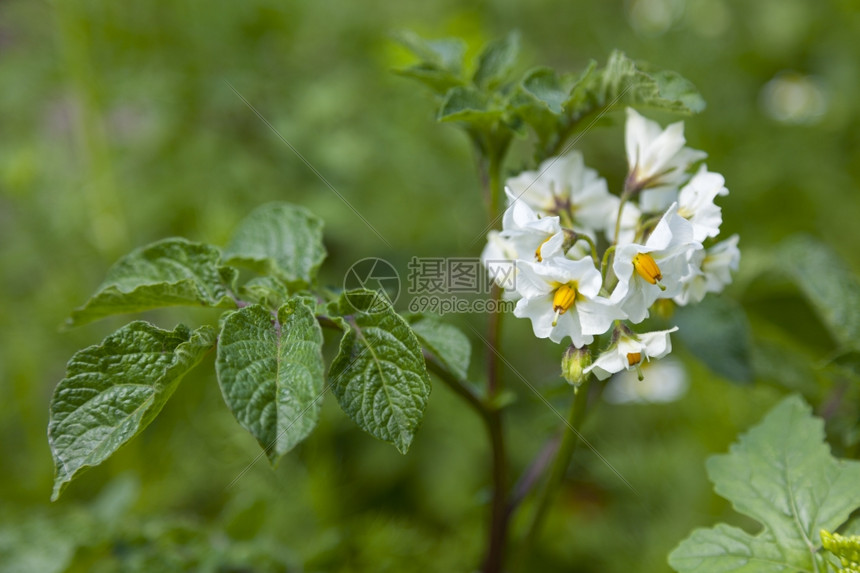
(658, 199)
(529, 188)
(596, 316)
(719, 262)
(657, 157)
(539, 311)
(609, 362)
(696, 203)
(530, 282)
(568, 326)
(657, 344)
(640, 296)
(662, 149)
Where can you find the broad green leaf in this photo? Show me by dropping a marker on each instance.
(113, 390)
(672, 89)
(640, 84)
(728, 549)
(446, 342)
(716, 331)
(441, 61)
(496, 61)
(467, 105)
(826, 281)
(170, 272)
(271, 372)
(625, 82)
(266, 290)
(581, 93)
(279, 239)
(438, 80)
(544, 85)
(444, 54)
(781, 474)
(378, 375)
(539, 103)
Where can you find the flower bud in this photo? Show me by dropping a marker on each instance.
(573, 362)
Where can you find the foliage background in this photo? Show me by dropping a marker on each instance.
(117, 128)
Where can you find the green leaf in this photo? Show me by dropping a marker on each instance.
(581, 93)
(781, 474)
(279, 239)
(271, 373)
(716, 331)
(445, 341)
(544, 85)
(378, 375)
(468, 105)
(643, 85)
(728, 549)
(443, 54)
(673, 91)
(539, 103)
(170, 272)
(266, 290)
(113, 390)
(827, 283)
(438, 80)
(441, 62)
(496, 62)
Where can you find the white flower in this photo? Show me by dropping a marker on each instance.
(531, 236)
(696, 203)
(658, 160)
(560, 297)
(498, 258)
(712, 271)
(629, 350)
(525, 236)
(565, 184)
(664, 381)
(656, 269)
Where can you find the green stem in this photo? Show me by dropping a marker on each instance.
(591, 244)
(559, 467)
(457, 385)
(624, 197)
(494, 186)
(498, 531)
(572, 125)
(604, 265)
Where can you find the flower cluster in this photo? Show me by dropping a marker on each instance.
(586, 261)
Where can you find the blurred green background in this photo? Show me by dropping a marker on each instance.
(118, 127)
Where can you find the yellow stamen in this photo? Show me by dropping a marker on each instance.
(634, 358)
(647, 268)
(562, 300)
(538, 257)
